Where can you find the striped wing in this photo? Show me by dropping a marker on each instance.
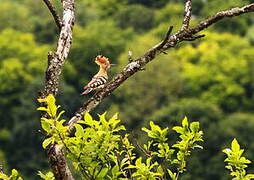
(97, 82)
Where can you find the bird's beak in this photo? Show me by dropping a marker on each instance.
(112, 64)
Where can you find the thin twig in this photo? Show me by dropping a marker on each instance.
(187, 14)
(193, 38)
(54, 13)
(220, 15)
(169, 31)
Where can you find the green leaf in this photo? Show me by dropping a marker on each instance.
(59, 115)
(155, 127)
(88, 119)
(76, 165)
(185, 122)
(178, 129)
(42, 109)
(48, 176)
(194, 126)
(171, 174)
(103, 120)
(14, 172)
(46, 142)
(138, 161)
(114, 120)
(79, 130)
(197, 146)
(103, 173)
(115, 169)
(235, 146)
(3, 176)
(45, 126)
(160, 170)
(250, 176)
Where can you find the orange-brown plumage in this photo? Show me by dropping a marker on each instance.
(100, 79)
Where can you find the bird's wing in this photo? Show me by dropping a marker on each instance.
(96, 82)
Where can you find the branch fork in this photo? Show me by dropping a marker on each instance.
(184, 34)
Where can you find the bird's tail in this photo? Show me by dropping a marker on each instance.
(87, 90)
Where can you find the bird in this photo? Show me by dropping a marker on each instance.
(101, 78)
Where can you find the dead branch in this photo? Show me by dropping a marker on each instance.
(56, 61)
(54, 13)
(136, 65)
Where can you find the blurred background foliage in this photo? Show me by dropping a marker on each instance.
(210, 80)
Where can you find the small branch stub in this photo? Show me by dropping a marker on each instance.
(130, 56)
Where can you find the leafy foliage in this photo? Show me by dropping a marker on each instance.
(53, 126)
(236, 163)
(14, 176)
(98, 150)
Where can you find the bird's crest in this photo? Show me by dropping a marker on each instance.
(101, 59)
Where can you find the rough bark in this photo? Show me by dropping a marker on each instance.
(187, 14)
(56, 61)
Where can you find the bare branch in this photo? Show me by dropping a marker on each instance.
(187, 14)
(53, 11)
(136, 65)
(193, 38)
(229, 13)
(56, 61)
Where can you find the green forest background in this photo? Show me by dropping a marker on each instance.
(210, 80)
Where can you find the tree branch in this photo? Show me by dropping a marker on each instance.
(137, 65)
(229, 13)
(53, 11)
(56, 61)
(187, 14)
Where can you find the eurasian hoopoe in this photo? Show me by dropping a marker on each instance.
(100, 79)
